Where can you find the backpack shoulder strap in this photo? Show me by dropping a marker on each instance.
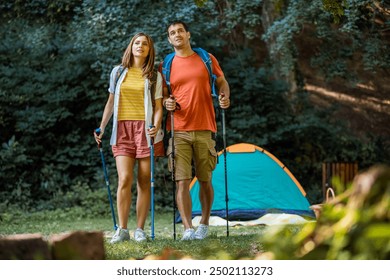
(152, 86)
(205, 56)
(166, 69)
(121, 69)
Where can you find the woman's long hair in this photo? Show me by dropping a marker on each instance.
(128, 58)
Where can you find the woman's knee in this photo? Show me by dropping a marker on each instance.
(125, 180)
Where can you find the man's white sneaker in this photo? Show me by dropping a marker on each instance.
(202, 231)
(120, 235)
(189, 234)
(139, 235)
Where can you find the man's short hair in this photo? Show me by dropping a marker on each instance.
(178, 22)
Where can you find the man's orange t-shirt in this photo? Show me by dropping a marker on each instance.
(190, 84)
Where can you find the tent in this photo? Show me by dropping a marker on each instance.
(258, 184)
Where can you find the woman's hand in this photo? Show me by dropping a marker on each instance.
(98, 136)
(152, 131)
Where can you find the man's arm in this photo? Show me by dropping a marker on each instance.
(224, 92)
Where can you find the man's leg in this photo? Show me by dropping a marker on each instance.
(184, 203)
(183, 177)
(205, 161)
(206, 196)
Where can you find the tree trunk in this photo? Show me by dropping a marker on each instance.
(270, 13)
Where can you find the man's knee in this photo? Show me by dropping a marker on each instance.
(205, 184)
(183, 186)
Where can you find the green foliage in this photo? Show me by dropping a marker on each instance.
(241, 244)
(91, 202)
(335, 7)
(357, 31)
(55, 63)
(15, 167)
(47, 100)
(45, 11)
(299, 135)
(353, 226)
(200, 3)
(216, 247)
(242, 16)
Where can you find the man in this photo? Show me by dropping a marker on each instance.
(194, 125)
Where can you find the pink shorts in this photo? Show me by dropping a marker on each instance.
(131, 140)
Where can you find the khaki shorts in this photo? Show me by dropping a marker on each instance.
(193, 146)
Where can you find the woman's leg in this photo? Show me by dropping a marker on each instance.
(125, 166)
(143, 189)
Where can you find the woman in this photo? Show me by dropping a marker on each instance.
(137, 119)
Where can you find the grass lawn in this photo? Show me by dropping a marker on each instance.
(242, 242)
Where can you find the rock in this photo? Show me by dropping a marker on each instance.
(78, 245)
(24, 247)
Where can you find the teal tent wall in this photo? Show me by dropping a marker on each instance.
(258, 183)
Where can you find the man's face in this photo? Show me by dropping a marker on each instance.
(178, 36)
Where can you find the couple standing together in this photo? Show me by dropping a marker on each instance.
(137, 117)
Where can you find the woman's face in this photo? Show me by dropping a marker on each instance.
(141, 47)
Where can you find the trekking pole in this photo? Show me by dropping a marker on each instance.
(98, 131)
(173, 173)
(225, 166)
(152, 185)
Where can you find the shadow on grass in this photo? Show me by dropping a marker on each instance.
(242, 242)
(212, 248)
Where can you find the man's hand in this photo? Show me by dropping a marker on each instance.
(224, 102)
(170, 103)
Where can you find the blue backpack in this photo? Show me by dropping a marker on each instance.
(204, 55)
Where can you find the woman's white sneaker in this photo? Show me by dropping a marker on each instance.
(139, 235)
(120, 235)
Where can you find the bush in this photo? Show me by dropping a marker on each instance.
(355, 225)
